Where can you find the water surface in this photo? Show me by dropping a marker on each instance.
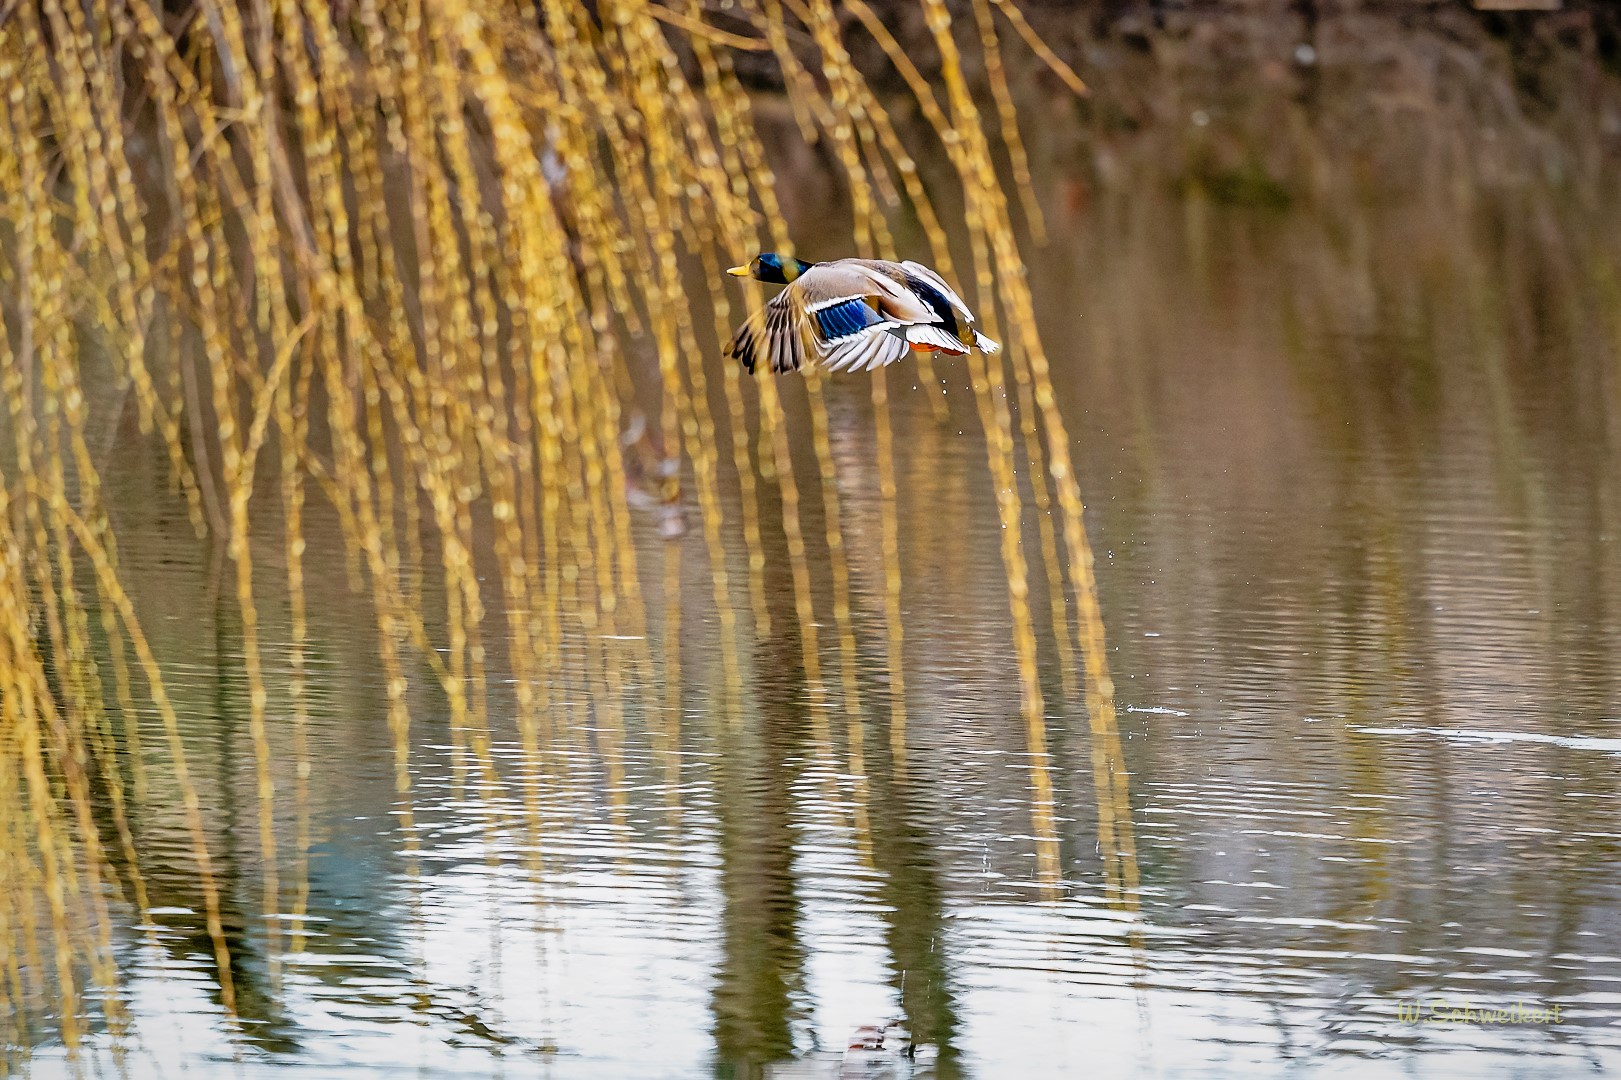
(1351, 472)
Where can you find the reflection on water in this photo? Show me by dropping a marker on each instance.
(1362, 631)
(1354, 501)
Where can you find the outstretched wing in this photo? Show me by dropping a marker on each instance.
(776, 333)
(872, 349)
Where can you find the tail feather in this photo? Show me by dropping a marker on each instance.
(988, 346)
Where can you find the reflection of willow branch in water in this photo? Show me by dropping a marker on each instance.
(424, 262)
(761, 974)
(254, 956)
(914, 911)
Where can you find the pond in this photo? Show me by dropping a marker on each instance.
(1353, 487)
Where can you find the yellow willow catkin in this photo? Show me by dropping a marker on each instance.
(1007, 115)
(523, 203)
(990, 396)
(20, 718)
(978, 176)
(17, 928)
(503, 466)
(871, 235)
(742, 463)
(775, 455)
(907, 168)
(87, 482)
(133, 273)
(40, 343)
(69, 726)
(115, 594)
(20, 709)
(1057, 603)
(698, 424)
(25, 966)
(212, 287)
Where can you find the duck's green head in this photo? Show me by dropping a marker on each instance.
(769, 266)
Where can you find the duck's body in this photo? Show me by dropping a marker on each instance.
(852, 315)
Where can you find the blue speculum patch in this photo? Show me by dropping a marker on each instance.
(842, 320)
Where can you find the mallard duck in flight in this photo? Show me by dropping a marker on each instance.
(852, 315)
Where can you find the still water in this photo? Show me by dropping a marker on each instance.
(1352, 482)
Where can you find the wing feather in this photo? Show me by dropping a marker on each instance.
(940, 284)
(934, 335)
(747, 342)
(775, 333)
(874, 347)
